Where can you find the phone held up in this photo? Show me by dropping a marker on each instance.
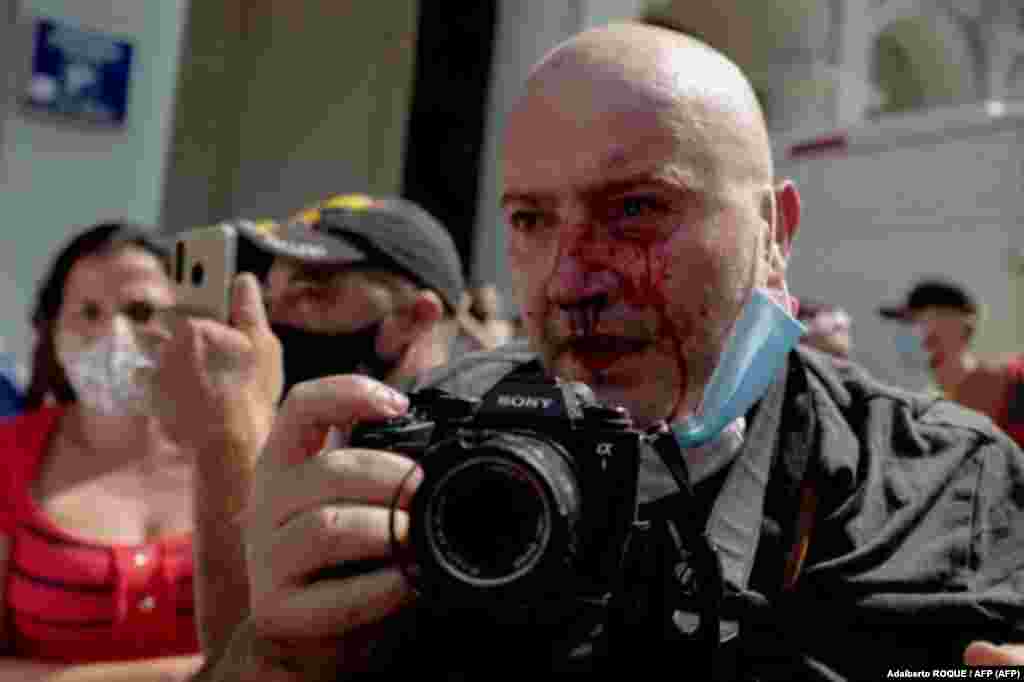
(205, 261)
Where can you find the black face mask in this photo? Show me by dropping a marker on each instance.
(313, 355)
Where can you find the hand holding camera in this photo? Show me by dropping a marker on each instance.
(312, 509)
(522, 495)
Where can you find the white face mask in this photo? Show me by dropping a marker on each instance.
(110, 374)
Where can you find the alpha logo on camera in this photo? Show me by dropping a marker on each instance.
(528, 402)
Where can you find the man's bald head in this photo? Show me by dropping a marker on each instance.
(705, 91)
(642, 211)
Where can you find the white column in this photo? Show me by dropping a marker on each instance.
(854, 91)
(801, 77)
(1005, 44)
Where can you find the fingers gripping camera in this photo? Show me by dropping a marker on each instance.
(528, 495)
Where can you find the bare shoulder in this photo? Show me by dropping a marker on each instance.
(985, 388)
(1000, 365)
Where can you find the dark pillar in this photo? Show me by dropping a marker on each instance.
(447, 116)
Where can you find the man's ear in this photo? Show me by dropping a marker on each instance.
(787, 216)
(409, 322)
(780, 210)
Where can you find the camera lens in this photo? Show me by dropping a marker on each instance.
(198, 274)
(497, 516)
(490, 520)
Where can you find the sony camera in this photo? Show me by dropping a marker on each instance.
(528, 495)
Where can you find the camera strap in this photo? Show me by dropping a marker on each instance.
(734, 525)
(736, 517)
(722, 553)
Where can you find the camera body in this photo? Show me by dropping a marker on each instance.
(528, 497)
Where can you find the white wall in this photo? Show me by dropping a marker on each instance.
(935, 194)
(59, 176)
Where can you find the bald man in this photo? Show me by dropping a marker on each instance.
(823, 526)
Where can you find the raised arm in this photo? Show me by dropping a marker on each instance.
(217, 388)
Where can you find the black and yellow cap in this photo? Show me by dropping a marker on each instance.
(387, 232)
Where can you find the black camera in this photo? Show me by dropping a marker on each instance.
(528, 496)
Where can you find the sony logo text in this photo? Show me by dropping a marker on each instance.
(524, 401)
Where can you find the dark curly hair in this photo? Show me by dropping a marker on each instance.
(48, 376)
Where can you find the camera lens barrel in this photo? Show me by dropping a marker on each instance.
(495, 518)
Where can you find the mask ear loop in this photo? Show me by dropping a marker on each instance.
(775, 259)
(751, 285)
(788, 303)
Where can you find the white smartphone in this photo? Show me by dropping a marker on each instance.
(204, 266)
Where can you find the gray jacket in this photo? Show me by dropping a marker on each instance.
(916, 547)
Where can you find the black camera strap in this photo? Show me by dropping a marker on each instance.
(722, 553)
(734, 525)
(736, 518)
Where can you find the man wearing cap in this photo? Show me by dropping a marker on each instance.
(354, 285)
(361, 284)
(941, 319)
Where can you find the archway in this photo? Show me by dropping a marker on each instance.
(919, 62)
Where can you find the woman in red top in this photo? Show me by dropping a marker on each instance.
(95, 511)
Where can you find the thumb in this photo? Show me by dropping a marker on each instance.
(247, 311)
(988, 654)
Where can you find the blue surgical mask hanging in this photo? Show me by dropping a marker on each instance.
(755, 351)
(911, 349)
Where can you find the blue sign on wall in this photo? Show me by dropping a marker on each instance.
(80, 73)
